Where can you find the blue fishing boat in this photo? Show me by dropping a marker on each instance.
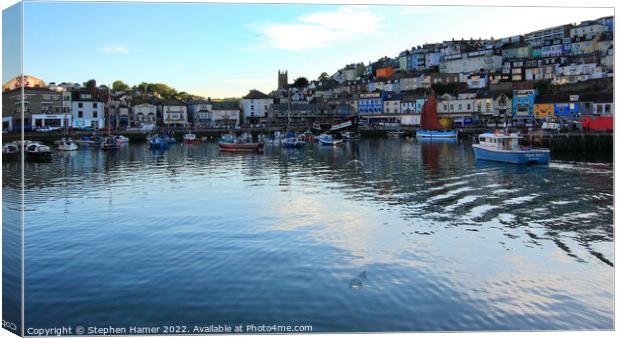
(329, 140)
(504, 147)
(436, 134)
(292, 141)
(156, 142)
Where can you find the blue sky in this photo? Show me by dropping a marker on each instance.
(220, 50)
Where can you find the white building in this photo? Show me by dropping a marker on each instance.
(143, 113)
(173, 113)
(472, 62)
(255, 106)
(86, 110)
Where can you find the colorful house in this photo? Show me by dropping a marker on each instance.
(385, 72)
(523, 104)
(370, 103)
(543, 107)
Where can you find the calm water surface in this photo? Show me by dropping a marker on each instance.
(379, 235)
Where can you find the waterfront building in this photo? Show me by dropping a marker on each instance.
(596, 104)
(43, 107)
(87, 109)
(256, 104)
(199, 112)
(391, 104)
(523, 104)
(143, 113)
(370, 103)
(582, 45)
(565, 106)
(460, 108)
(544, 107)
(173, 113)
(553, 47)
(225, 114)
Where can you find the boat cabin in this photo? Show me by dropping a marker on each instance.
(499, 141)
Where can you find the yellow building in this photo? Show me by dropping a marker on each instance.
(543, 110)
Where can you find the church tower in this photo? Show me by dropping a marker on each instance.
(282, 79)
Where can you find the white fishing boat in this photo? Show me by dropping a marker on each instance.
(329, 140)
(504, 147)
(37, 152)
(67, 144)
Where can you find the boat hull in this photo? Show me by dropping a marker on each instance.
(240, 147)
(436, 134)
(512, 156)
(39, 156)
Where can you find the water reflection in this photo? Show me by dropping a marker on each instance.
(400, 234)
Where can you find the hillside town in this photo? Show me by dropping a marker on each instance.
(561, 74)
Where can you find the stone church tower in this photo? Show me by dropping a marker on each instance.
(282, 80)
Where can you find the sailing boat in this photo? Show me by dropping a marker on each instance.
(109, 143)
(66, 144)
(290, 140)
(429, 122)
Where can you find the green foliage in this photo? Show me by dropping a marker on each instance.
(543, 87)
(119, 85)
(300, 82)
(323, 76)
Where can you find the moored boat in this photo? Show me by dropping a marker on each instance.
(504, 147)
(329, 140)
(436, 134)
(190, 138)
(156, 142)
(67, 144)
(121, 139)
(292, 141)
(230, 143)
(429, 122)
(395, 133)
(10, 152)
(110, 144)
(37, 152)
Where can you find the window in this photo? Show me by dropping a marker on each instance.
(252, 107)
(80, 114)
(94, 104)
(80, 105)
(469, 106)
(95, 114)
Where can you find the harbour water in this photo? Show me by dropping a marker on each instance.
(377, 235)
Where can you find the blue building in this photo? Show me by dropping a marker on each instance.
(566, 106)
(523, 104)
(370, 103)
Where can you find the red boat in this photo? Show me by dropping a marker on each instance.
(241, 147)
(190, 138)
(230, 143)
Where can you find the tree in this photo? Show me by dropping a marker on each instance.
(300, 82)
(323, 76)
(119, 85)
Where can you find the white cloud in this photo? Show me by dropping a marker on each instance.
(321, 29)
(115, 49)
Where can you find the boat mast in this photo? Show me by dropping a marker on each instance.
(288, 127)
